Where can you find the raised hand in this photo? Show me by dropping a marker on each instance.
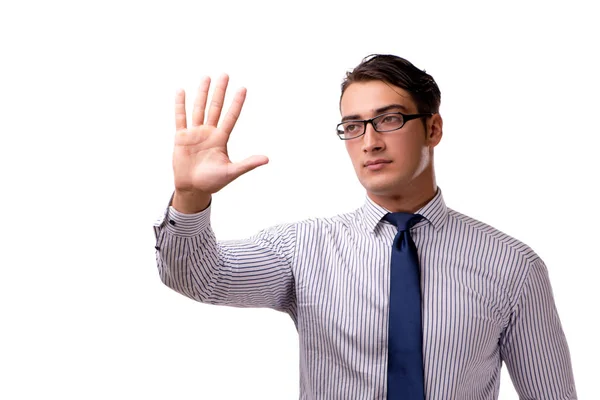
(201, 164)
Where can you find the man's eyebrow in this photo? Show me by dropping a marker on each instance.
(380, 110)
(391, 107)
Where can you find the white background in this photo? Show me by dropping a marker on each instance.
(86, 138)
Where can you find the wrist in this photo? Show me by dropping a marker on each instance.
(190, 202)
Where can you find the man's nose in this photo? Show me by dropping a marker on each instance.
(372, 139)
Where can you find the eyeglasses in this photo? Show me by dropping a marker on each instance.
(382, 123)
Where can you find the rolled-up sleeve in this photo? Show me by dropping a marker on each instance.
(255, 272)
(534, 346)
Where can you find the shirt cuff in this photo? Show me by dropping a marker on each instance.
(181, 224)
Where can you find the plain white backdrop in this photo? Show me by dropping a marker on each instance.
(87, 128)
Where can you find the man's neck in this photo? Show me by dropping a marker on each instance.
(410, 200)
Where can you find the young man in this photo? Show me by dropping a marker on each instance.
(404, 298)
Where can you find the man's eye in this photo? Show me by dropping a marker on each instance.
(351, 128)
(391, 119)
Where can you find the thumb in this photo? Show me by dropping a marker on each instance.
(241, 167)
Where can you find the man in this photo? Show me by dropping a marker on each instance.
(404, 298)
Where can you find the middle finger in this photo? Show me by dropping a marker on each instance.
(216, 105)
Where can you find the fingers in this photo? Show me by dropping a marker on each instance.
(216, 104)
(240, 168)
(234, 111)
(180, 122)
(200, 103)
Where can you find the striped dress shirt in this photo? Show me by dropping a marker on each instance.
(486, 299)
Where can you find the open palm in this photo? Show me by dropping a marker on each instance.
(200, 160)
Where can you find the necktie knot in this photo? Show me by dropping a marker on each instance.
(403, 221)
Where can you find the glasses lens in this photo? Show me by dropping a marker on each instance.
(388, 122)
(350, 129)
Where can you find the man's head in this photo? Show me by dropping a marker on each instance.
(391, 162)
(400, 73)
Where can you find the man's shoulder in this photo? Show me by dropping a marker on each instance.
(488, 235)
(315, 226)
(347, 220)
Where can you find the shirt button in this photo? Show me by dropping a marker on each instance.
(157, 247)
(172, 222)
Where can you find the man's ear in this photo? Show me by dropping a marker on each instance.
(435, 129)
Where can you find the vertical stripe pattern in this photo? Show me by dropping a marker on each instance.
(486, 299)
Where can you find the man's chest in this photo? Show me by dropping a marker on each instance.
(343, 301)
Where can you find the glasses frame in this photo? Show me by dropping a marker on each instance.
(405, 119)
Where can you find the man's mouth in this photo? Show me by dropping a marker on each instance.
(376, 164)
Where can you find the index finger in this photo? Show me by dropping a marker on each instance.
(234, 111)
(180, 119)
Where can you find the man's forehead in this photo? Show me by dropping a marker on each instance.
(393, 107)
(371, 96)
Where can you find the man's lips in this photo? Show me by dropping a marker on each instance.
(376, 162)
(376, 165)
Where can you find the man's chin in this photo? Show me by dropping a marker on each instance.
(381, 188)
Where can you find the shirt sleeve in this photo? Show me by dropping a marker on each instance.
(256, 272)
(534, 346)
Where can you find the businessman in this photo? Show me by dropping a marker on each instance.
(404, 298)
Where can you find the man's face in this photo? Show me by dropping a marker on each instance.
(386, 163)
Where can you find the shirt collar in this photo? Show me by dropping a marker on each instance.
(435, 212)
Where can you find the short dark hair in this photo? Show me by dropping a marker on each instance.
(401, 73)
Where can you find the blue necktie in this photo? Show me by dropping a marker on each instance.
(405, 340)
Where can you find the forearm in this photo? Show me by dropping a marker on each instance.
(246, 273)
(175, 256)
(534, 346)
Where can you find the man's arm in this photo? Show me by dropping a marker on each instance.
(256, 272)
(534, 346)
